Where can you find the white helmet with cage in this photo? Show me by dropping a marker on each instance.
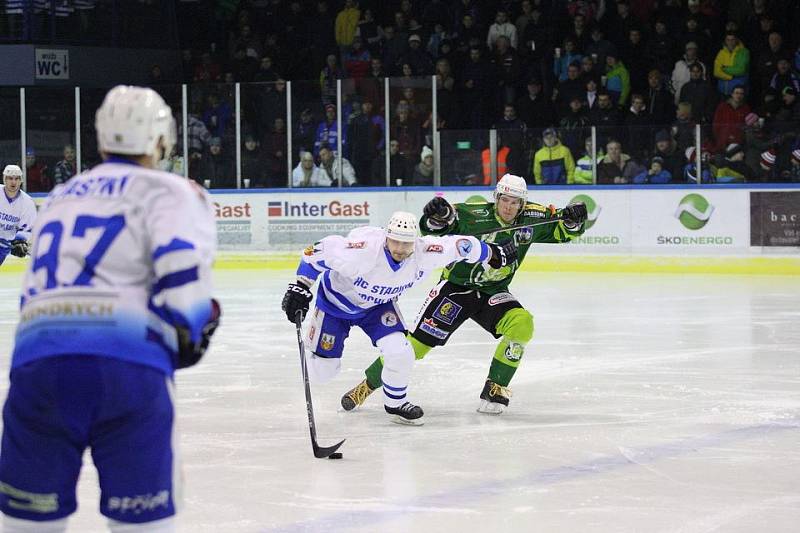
(12, 171)
(132, 120)
(402, 227)
(511, 185)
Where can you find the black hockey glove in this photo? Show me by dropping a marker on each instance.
(190, 353)
(20, 247)
(440, 212)
(296, 299)
(575, 214)
(503, 254)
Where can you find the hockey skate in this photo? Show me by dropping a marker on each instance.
(494, 398)
(408, 414)
(356, 396)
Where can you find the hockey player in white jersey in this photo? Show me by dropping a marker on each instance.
(17, 214)
(116, 298)
(361, 278)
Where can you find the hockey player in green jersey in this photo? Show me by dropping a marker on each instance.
(478, 292)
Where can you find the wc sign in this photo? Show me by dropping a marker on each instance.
(52, 64)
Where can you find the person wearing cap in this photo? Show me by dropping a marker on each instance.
(690, 170)
(732, 168)
(254, 166)
(327, 131)
(553, 163)
(766, 163)
(37, 178)
(618, 80)
(416, 57)
(654, 174)
(728, 124)
(423, 171)
(793, 172)
(216, 167)
(681, 74)
(671, 156)
(731, 66)
(17, 215)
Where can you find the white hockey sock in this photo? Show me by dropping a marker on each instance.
(398, 359)
(16, 525)
(165, 525)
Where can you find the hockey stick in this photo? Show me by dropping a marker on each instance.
(319, 451)
(518, 226)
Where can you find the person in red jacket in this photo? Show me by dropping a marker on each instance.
(728, 120)
(37, 176)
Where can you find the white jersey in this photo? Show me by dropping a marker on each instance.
(358, 272)
(122, 254)
(17, 216)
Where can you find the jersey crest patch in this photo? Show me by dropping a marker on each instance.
(524, 235)
(435, 248)
(447, 311)
(327, 341)
(464, 247)
(389, 319)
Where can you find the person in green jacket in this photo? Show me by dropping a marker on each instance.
(553, 163)
(583, 169)
(478, 292)
(732, 65)
(618, 79)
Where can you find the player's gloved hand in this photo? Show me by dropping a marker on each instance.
(440, 211)
(190, 353)
(296, 299)
(502, 254)
(575, 214)
(20, 247)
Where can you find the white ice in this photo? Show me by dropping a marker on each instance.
(645, 403)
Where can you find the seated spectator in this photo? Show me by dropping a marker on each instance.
(399, 167)
(37, 178)
(253, 164)
(266, 71)
(327, 131)
(583, 168)
(208, 70)
(423, 172)
(533, 108)
(681, 74)
(564, 58)
(216, 169)
(567, 89)
(217, 115)
(698, 93)
(510, 121)
(767, 171)
(343, 173)
(618, 82)
(784, 77)
(655, 174)
(67, 167)
(307, 174)
(671, 157)
(274, 150)
(732, 65)
(553, 163)
(416, 57)
(729, 119)
(598, 47)
(733, 169)
(690, 170)
(793, 172)
(606, 118)
(589, 69)
(789, 110)
(616, 167)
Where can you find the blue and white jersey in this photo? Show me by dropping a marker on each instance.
(17, 216)
(122, 255)
(358, 273)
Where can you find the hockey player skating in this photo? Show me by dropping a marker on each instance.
(481, 293)
(17, 214)
(361, 277)
(116, 298)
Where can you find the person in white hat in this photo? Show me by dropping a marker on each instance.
(361, 277)
(17, 215)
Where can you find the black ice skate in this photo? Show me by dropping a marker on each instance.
(356, 396)
(408, 414)
(494, 398)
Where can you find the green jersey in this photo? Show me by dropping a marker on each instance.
(478, 217)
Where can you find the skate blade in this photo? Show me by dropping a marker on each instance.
(397, 419)
(491, 408)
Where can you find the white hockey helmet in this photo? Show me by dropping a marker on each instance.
(131, 121)
(513, 186)
(402, 227)
(12, 171)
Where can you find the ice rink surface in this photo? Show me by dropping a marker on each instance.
(645, 403)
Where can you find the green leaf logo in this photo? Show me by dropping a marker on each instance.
(591, 206)
(694, 211)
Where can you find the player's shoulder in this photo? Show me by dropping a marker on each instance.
(535, 210)
(475, 209)
(364, 238)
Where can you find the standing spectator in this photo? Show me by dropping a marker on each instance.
(507, 70)
(217, 115)
(553, 163)
(399, 167)
(789, 112)
(574, 125)
(329, 164)
(661, 48)
(366, 141)
(616, 167)
(253, 164)
(445, 90)
(732, 65)
(416, 57)
(370, 32)
(618, 24)
(606, 118)
(266, 71)
(67, 167)
(684, 126)
(509, 121)
(321, 28)
(208, 70)
(699, 94)
(589, 69)
(407, 132)
(659, 101)
(356, 60)
(618, 81)
(275, 149)
(569, 88)
(590, 96)
(216, 168)
(307, 174)
(681, 74)
(729, 119)
(304, 132)
(243, 66)
(475, 87)
(564, 58)
(634, 56)
(580, 33)
(598, 47)
(501, 28)
(347, 23)
(327, 131)
(693, 34)
(423, 172)
(37, 178)
(533, 108)
(638, 127)
(327, 79)
(767, 63)
(524, 17)
(672, 158)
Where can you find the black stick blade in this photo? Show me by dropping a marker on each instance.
(321, 453)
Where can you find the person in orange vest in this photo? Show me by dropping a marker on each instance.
(502, 163)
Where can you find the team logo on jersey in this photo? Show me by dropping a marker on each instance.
(433, 294)
(447, 311)
(327, 341)
(464, 247)
(431, 328)
(389, 319)
(356, 245)
(514, 351)
(524, 235)
(501, 297)
(481, 212)
(435, 248)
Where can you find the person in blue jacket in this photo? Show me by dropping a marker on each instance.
(654, 174)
